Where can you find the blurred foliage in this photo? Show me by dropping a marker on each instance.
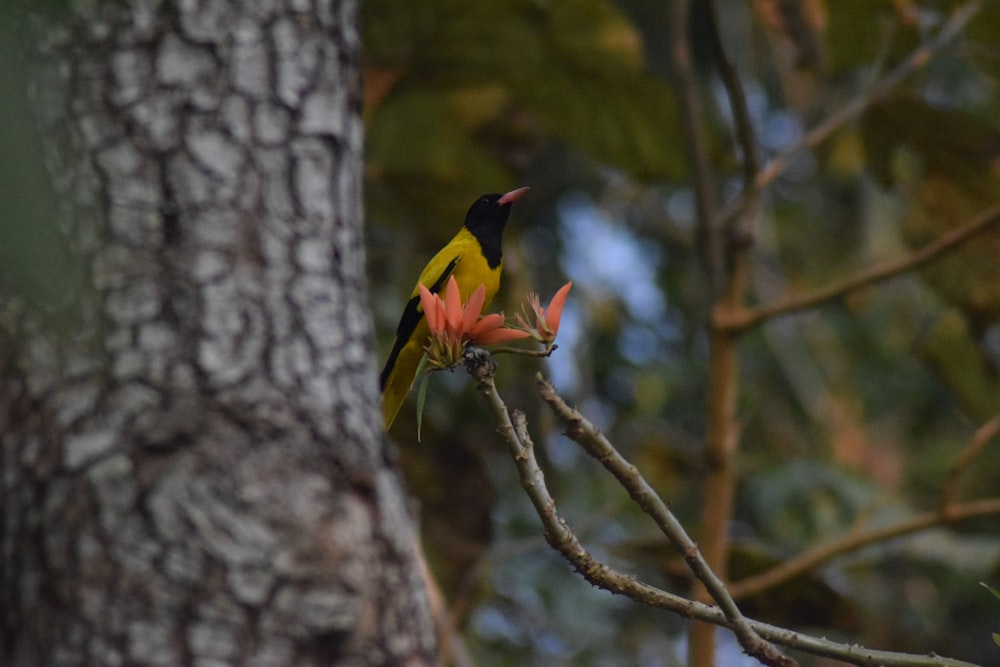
(946, 178)
(35, 262)
(996, 635)
(851, 414)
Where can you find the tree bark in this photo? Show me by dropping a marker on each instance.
(195, 472)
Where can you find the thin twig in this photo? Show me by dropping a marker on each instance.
(920, 57)
(695, 146)
(736, 95)
(982, 437)
(817, 556)
(524, 351)
(741, 320)
(561, 537)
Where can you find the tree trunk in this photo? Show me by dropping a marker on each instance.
(195, 472)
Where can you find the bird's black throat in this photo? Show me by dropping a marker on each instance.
(485, 220)
(490, 239)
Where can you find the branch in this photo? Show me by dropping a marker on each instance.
(980, 439)
(947, 513)
(545, 352)
(920, 57)
(451, 646)
(561, 537)
(695, 145)
(813, 558)
(736, 95)
(722, 434)
(736, 321)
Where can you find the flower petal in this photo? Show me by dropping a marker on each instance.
(536, 309)
(432, 308)
(452, 304)
(554, 313)
(473, 307)
(500, 335)
(484, 324)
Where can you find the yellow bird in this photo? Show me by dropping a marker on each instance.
(475, 257)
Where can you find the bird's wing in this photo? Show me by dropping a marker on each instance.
(412, 315)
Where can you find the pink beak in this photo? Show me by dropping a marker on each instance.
(512, 196)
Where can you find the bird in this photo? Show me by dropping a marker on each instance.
(475, 257)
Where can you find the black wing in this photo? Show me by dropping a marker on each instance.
(412, 315)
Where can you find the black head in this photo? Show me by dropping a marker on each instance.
(486, 219)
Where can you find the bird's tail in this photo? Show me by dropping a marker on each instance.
(400, 379)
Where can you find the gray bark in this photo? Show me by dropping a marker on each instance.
(195, 473)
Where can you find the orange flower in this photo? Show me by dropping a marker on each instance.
(546, 319)
(454, 326)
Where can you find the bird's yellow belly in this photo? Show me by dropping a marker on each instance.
(469, 276)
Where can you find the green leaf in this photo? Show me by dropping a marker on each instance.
(36, 260)
(982, 34)
(627, 121)
(591, 90)
(424, 377)
(419, 133)
(854, 35)
(948, 141)
(996, 594)
(951, 349)
(576, 68)
(593, 34)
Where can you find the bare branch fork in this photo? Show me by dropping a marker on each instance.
(757, 635)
